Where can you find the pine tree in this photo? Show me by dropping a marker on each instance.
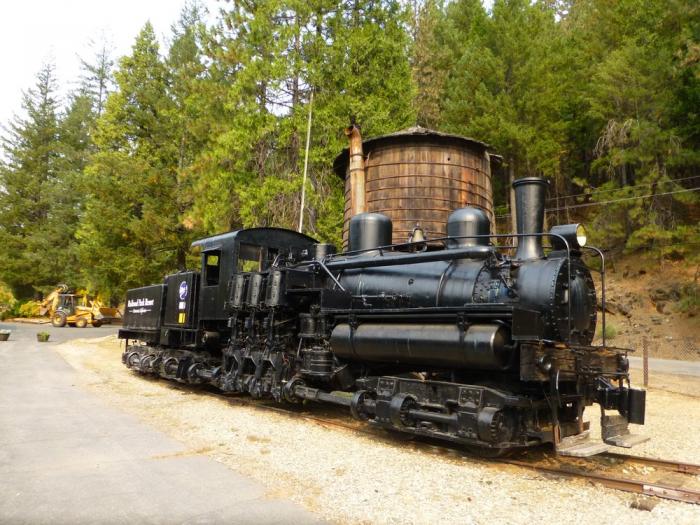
(191, 113)
(65, 193)
(429, 64)
(352, 55)
(634, 77)
(28, 177)
(507, 89)
(361, 70)
(96, 77)
(131, 230)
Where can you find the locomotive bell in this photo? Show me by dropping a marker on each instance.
(465, 224)
(321, 250)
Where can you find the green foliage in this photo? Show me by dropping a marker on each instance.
(132, 229)
(27, 179)
(29, 309)
(108, 192)
(689, 303)
(352, 56)
(610, 331)
(507, 87)
(7, 298)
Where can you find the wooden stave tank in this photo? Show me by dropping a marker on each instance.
(420, 176)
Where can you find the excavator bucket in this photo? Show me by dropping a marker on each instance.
(110, 313)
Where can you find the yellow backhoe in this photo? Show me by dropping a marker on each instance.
(71, 309)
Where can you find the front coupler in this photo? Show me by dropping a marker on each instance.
(629, 402)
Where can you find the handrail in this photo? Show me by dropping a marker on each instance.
(325, 268)
(600, 253)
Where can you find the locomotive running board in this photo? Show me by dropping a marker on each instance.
(581, 446)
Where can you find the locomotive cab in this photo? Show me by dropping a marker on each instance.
(225, 256)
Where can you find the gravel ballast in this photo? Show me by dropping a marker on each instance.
(350, 477)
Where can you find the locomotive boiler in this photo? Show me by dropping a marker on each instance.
(454, 337)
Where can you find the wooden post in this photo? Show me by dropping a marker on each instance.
(645, 360)
(511, 194)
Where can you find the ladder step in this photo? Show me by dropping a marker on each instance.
(626, 440)
(581, 446)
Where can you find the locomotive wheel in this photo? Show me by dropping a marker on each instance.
(59, 319)
(81, 323)
(399, 408)
(357, 406)
(288, 389)
(133, 360)
(494, 426)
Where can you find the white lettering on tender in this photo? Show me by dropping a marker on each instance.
(134, 303)
(140, 310)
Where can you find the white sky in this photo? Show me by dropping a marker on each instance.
(34, 31)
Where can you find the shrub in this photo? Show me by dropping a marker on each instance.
(29, 309)
(7, 299)
(610, 331)
(689, 302)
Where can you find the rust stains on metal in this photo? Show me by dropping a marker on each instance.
(356, 171)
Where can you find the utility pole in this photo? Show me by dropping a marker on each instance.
(306, 164)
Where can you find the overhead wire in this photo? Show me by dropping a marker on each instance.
(596, 191)
(611, 201)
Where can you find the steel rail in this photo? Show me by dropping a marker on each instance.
(648, 488)
(677, 466)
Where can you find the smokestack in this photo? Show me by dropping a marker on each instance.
(529, 208)
(356, 167)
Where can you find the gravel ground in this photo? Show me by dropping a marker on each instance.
(349, 477)
(686, 385)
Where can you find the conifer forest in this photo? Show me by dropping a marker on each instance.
(107, 187)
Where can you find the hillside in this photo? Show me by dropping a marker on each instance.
(645, 299)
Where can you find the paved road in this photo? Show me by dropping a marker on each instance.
(66, 457)
(28, 331)
(668, 366)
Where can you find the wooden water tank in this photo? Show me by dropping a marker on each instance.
(418, 177)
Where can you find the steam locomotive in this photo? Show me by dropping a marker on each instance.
(452, 338)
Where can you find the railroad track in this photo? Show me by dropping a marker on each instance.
(656, 488)
(604, 469)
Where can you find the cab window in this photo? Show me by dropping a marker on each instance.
(212, 261)
(254, 258)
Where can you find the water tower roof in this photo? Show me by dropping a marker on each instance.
(406, 135)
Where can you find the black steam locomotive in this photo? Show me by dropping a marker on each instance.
(447, 338)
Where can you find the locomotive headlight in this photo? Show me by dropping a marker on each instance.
(581, 235)
(575, 235)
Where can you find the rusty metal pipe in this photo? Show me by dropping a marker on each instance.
(356, 168)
